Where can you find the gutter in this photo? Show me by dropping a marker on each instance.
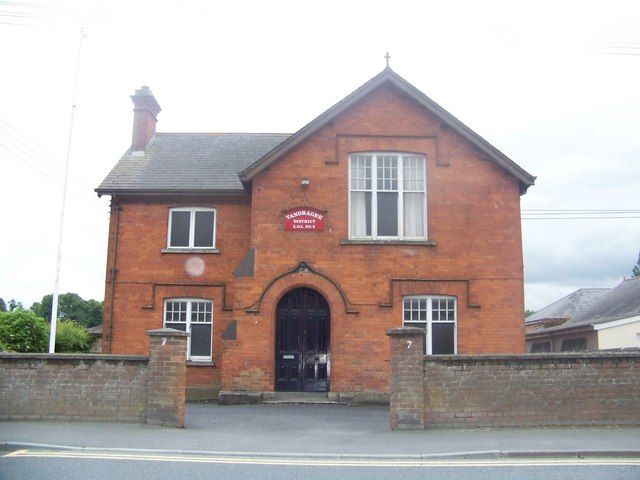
(147, 192)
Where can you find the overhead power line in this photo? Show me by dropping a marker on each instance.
(22, 148)
(576, 218)
(580, 214)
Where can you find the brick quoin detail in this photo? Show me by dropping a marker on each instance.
(407, 378)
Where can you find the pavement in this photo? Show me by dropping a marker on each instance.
(315, 430)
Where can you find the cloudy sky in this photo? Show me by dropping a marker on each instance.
(554, 85)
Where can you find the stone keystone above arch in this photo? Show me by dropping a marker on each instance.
(303, 274)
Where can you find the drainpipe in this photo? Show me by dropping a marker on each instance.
(112, 269)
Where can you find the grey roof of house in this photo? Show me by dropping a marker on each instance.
(220, 162)
(189, 162)
(623, 301)
(97, 330)
(569, 306)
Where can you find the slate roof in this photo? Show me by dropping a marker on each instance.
(569, 306)
(97, 330)
(623, 301)
(189, 162)
(220, 162)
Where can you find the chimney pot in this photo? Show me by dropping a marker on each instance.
(145, 112)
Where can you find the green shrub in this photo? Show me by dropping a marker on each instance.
(71, 338)
(23, 331)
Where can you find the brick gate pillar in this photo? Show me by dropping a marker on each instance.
(167, 377)
(407, 378)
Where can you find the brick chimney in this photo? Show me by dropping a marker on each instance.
(145, 110)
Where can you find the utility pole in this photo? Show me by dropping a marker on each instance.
(54, 301)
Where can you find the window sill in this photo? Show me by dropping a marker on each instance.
(427, 243)
(189, 250)
(200, 363)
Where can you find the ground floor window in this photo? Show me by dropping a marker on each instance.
(438, 316)
(540, 347)
(574, 345)
(193, 316)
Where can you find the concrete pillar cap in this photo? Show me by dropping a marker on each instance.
(167, 332)
(406, 331)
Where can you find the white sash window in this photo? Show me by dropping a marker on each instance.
(387, 196)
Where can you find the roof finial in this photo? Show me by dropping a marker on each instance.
(387, 57)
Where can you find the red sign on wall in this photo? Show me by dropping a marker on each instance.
(304, 219)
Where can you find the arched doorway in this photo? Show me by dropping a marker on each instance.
(302, 342)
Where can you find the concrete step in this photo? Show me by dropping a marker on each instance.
(300, 397)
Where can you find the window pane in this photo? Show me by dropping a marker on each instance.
(574, 345)
(413, 173)
(361, 172)
(200, 340)
(442, 341)
(360, 214)
(204, 229)
(180, 229)
(388, 214)
(387, 171)
(413, 215)
(541, 347)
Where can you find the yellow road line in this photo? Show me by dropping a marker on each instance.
(346, 462)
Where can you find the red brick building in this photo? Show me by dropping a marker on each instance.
(288, 257)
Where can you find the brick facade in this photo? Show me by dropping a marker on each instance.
(475, 254)
(98, 387)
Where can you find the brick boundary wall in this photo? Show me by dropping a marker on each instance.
(551, 389)
(124, 388)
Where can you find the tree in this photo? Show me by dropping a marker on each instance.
(71, 306)
(528, 312)
(23, 331)
(72, 338)
(3, 306)
(13, 305)
(636, 269)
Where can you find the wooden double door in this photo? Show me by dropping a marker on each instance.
(302, 342)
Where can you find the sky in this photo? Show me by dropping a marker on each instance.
(553, 85)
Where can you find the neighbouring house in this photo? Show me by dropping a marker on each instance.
(288, 256)
(612, 322)
(96, 338)
(564, 309)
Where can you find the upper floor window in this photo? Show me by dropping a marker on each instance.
(387, 196)
(438, 316)
(194, 316)
(192, 227)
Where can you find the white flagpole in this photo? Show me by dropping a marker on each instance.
(54, 300)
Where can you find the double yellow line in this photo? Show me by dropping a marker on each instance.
(325, 462)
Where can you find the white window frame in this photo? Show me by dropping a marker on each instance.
(429, 321)
(192, 227)
(400, 191)
(190, 301)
